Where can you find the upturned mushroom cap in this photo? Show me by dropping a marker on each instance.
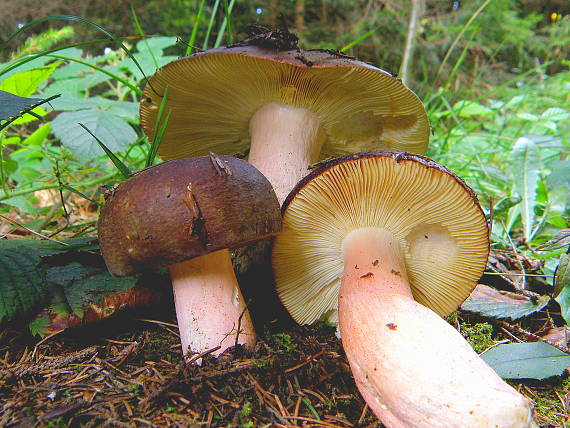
(186, 208)
(213, 95)
(435, 216)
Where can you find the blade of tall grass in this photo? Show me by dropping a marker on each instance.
(211, 24)
(30, 57)
(72, 18)
(139, 30)
(358, 40)
(125, 171)
(459, 36)
(83, 195)
(225, 22)
(161, 124)
(195, 28)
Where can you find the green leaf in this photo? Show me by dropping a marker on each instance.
(22, 203)
(83, 293)
(470, 109)
(38, 136)
(559, 174)
(528, 116)
(536, 360)
(562, 287)
(26, 83)
(526, 164)
(114, 131)
(555, 114)
(23, 286)
(489, 302)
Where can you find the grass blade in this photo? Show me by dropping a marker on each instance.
(459, 36)
(71, 189)
(125, 171)
(358, 40)
(211, 24)
(72, 18)
(194, 34)
(161, 124)
(139, 30)
(225, 23)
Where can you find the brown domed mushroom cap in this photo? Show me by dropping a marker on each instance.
(435, 217)
(213, 95)
(186, 208)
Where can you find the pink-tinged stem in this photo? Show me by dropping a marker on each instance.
(412, 368)
(210, 309)
(285, 140)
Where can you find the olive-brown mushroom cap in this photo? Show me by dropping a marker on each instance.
(213, 95)
(436, 218)
(185, 208)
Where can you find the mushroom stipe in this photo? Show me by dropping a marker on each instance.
(185, 215)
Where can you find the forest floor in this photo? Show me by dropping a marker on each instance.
(127, 372)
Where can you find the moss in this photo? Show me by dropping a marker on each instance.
(478, 335)
(246, 410)
(547, 399)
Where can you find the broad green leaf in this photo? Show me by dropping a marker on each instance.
(145, 61)
(156, 44)
(562, 287)
(470, 109)
(38, 136)
(490, 302)
(536, 360)
(555, 114)
(526, 165)
(23, 285)
(22, 203)
(528, 116)
(125, 109)
(62, 287)
(26, 83)
(559, 174)
(112, 130)
(84, 293)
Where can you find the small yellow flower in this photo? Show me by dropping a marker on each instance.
(554, 16)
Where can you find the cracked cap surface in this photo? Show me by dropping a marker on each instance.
(185, 208)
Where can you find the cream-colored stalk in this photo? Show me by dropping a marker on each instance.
(285, 140)
(413, 368)
(210, 309)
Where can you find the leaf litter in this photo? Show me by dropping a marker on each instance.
(124, 372)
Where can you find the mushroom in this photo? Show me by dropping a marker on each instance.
(398, 241)
(185, 215)
(291, 107)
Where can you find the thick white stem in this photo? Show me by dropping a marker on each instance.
(210, 309)
(413, 368)
(285, 140)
